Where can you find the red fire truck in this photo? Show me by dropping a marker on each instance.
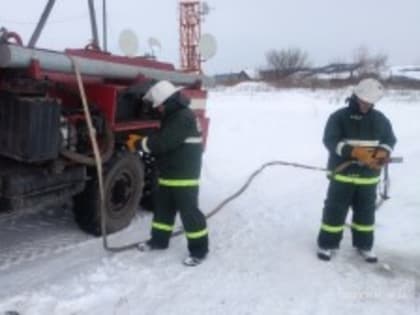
(46, 157)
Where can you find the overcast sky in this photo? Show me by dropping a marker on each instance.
(329, 30)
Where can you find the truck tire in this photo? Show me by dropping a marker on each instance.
(123, 185)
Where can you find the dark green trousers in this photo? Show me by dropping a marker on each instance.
(340, 197)
(169, 201)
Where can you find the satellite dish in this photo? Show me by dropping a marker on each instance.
(207, 46)
(154, 45)
(129, 43)
(205, 9)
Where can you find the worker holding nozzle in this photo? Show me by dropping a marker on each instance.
(363, 136)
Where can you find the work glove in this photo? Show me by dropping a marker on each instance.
(381, 157)
(365, 156)
(133, 142)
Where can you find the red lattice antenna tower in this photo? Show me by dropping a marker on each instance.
(190, 33)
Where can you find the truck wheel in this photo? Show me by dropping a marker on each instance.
(123, 185)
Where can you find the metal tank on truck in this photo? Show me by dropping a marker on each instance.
(45, 153)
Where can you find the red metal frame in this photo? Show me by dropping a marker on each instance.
(104, 93)
(190, 93)
(105, 97)
(190, 33)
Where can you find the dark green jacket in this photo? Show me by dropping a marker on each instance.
(348, 127)
(178, 144)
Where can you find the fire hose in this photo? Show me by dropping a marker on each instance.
(91, 161)
(96, 152)
(98, 163)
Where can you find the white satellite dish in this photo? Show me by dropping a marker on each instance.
(154, 45)
(207, 46)
(205, 8)
(129, 43)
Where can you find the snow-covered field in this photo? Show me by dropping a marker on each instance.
(262, 258)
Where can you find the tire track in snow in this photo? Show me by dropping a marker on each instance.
(29, 235)
(37, 253)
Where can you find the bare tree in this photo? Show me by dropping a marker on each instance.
(380, 62)
(286, 61)
(369, 64)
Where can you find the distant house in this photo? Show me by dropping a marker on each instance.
(232, 78)
(253, 74)
(405, 73)
(332, 71)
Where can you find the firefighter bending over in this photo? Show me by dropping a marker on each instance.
(363, 134)
(178, 148)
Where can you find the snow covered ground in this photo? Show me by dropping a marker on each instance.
(262, 258)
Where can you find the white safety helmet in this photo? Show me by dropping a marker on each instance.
(369, 90)
(160, 92)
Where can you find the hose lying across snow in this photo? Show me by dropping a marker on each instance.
(383, 196)
(98, 163)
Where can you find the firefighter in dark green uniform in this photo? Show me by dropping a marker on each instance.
(363, 135)
(178, 148)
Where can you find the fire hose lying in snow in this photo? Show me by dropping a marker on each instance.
(384, 194)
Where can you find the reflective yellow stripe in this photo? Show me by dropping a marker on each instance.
(178, 182)
(362, 228)
(331, 228)
(162, 227)
(356, 180)
(195, 235)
